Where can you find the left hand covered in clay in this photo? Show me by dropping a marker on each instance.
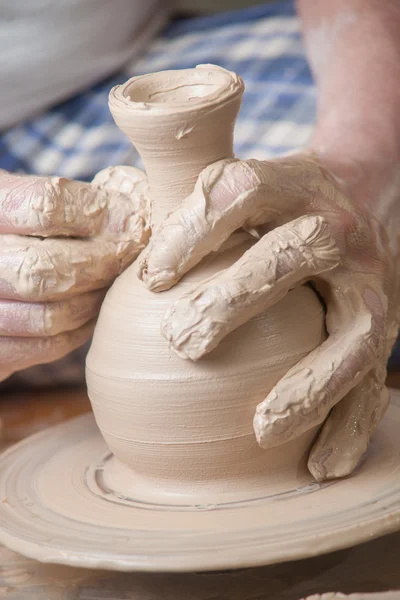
(62, 243)
(313, 230)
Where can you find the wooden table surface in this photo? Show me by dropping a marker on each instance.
(371, 567)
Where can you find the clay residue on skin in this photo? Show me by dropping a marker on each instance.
(199, 220)
(110, 224)
(309, 390)
(36, 319)
(56, 206)
(338, 448)
(63, 243)
(17, 353)
(228, 195)
(49, 269)
(128, 214)
(198, 321)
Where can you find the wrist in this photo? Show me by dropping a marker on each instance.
(366, 164)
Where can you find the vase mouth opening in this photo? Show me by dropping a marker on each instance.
(179, 91)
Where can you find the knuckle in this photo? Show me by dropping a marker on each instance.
(227, 181)
(214, 178)
(62, 205)
(32, 274)
(316, 242)
(252, 170)
(21, 201)
(125, 179)
(33, 203)
(246, 175)
(41, 274)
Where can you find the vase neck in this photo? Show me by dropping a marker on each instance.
(180, 122)
(175, 155)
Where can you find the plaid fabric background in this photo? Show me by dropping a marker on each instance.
(78, 138)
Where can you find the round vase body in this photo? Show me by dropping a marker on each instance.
(183, 430)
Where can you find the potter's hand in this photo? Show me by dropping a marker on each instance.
(315, 232)
(62, 244)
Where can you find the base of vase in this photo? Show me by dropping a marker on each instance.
(61, 502)
(110, 479)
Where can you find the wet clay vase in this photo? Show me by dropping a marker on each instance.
(181, 432)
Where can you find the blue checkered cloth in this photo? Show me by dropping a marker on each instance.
(78, 138)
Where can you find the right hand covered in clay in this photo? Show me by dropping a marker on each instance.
(62, 244)
(313, 229)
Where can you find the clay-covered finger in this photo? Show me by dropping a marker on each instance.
(344, 437)
(40, 319)
(55, 206)
(40, 270)
(227, 195)
(303, 398)
(17, 353)
(196, 323)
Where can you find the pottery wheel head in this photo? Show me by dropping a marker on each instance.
(56, 508)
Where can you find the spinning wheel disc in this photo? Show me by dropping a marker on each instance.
(55, 508)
